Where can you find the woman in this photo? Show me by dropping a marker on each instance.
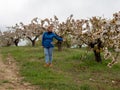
(47, 43)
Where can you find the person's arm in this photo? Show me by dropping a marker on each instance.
(59, 38)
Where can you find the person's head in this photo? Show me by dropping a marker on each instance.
(50, 28)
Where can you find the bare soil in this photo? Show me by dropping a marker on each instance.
(10, 78)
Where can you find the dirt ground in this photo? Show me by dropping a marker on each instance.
(10, 78)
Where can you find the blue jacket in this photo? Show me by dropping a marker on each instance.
(47, 39)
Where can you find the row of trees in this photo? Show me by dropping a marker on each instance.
(98, 33)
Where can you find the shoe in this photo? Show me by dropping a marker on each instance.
(46, 65)
(50, 65)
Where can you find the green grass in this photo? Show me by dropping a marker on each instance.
(3, 81)
(72, 70)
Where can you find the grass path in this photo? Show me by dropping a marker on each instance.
(9, 76)
(72, 70)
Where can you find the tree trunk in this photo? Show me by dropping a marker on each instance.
(34, 40)
(79, 46)
(16, 42)
(97, 56)
(68, 45)
(96, 49)
(59, 44)
(8, 43)
(33, 43)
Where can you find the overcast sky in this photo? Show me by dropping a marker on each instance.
(15, 11)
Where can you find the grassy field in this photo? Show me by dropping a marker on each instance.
(70, 71)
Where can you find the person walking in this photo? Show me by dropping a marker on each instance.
(47, 43)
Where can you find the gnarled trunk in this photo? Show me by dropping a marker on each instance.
(96, 49)
(34, 40)
(16, 42)
(59, 45)
(97, 56)
(33, 43)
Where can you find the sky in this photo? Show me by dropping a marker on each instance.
(15, 11)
